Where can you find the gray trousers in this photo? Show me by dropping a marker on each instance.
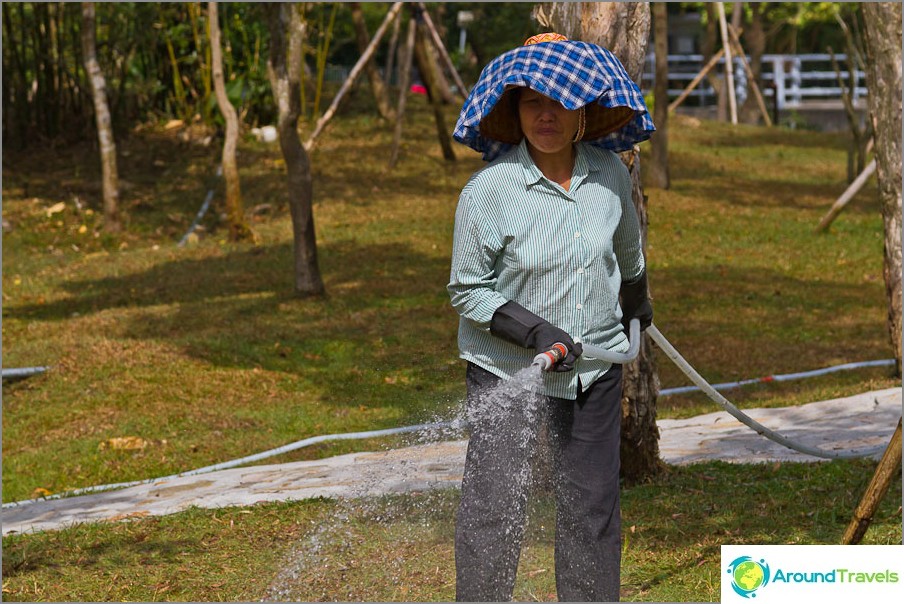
(584, 440)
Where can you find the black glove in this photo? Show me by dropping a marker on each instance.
(514, 323)
(635, 302)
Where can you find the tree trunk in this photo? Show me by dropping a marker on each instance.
(407, 55)
(710, 42)
(755, 45)
(443, 90)
(659, 166)
(235, 214)
(105, 137)
(883, 47)
(377, 84)
(623, 28)
(285, 81)
(427, 68)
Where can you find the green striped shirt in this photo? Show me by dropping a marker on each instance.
(560, 254)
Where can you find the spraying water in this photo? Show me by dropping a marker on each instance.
(513, 407)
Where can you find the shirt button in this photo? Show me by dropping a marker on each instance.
(577, 234)
(580, 306)
(580, 270)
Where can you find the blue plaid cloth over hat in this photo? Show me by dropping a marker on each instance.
(576, 74)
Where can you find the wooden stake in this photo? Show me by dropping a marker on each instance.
(886, 471)
(751, 78)
(729, 65)
(355, 72)
(848, 195)
(390, 55)
(440, 47)
(427, 70)
(690, 87)
(403, 91)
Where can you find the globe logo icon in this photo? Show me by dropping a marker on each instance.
(748, 575)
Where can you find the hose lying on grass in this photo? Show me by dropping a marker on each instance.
(657, 337)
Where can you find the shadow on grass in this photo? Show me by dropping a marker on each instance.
(386, 320)
(238, 309)
(707, 180)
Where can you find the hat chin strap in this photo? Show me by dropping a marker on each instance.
(582, 124)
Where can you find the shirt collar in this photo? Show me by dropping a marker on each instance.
(533, 175)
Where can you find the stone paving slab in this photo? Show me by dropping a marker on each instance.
(858, 423)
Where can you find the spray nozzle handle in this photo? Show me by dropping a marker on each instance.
(547, 360)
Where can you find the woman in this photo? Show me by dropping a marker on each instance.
(546, 238)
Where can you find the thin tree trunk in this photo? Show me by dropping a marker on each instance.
(377, 85)
(752, 85)
(235, 214)
(405, 60)
(391, 52)
(659, 167)
(285, 80)
(755, 45)
(729, 64)
(623, 28)
(105, 136)
(883, 46)
(441, 50)
(710, 41)
(428, 72)
(20, 117)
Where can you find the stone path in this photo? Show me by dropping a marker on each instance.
(859, 423)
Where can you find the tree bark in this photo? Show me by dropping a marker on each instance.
(238, 228)
(105, 136)
(883, 47)
(284, 71)
(659, 166)
(377, 84)
(623, 28)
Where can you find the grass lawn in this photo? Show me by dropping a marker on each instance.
(202, 354)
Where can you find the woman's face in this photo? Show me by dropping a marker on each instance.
(548, 126)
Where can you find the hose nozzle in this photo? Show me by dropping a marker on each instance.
(547, 360)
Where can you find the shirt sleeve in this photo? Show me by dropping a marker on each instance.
(627, 241)
(476, 246)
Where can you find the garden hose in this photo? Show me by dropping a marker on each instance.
(751, 423)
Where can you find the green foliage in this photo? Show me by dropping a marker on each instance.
(496, 28)
(791, 27)
(156, 56)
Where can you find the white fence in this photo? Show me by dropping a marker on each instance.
(789, 81)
